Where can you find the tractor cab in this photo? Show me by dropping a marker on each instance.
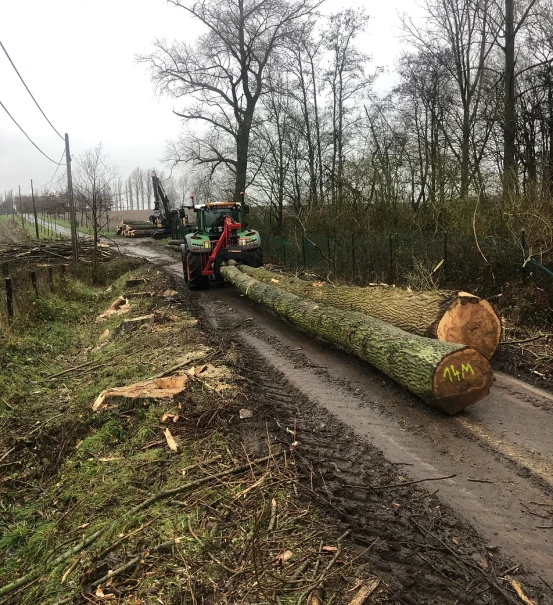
(221, 235)
(211, 219)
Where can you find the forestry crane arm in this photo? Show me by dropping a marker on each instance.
(162, 210)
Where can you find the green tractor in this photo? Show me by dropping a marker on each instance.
(221, 235)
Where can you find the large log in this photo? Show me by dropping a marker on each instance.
(447, 376)
(447, 315)
(125, 224)
(144, 227)
(139, 233)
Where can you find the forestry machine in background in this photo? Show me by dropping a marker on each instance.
(163, 213)
(221, 235)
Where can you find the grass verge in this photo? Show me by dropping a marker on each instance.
(97, 506)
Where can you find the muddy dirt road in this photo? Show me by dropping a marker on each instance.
(499, 452)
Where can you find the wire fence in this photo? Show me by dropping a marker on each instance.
(422, 261)
(23, 285)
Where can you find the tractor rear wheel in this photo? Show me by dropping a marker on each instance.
(184, 254)
(195, 281)
(257, 257)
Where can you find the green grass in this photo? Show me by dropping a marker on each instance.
(83, 229)
(27, 227)
(105, 466)
(72, 471)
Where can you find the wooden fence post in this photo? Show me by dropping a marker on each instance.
(9, 295)
(33, 282)
(51, 277)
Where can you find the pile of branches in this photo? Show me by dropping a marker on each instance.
(51, 251)
(529, 350)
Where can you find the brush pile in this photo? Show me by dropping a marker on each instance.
(51, 251)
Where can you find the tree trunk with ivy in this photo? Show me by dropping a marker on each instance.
(447, 376)
(443, 314)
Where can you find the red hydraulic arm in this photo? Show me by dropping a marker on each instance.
(228, 227)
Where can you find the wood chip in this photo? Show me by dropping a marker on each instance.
(284, 556)
(521, 594)
(365, 591)
(104, 335)
(118, 306)
(153, 388)
(170, 441)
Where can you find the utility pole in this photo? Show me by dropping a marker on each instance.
(34, 209)
(74, 242)
(21, 208)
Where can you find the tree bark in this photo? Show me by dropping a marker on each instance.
(447, 376)
(242, 146)
(446, 315)
(509, 111)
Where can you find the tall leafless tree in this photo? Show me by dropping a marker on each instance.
(93, 182)
(225, 72)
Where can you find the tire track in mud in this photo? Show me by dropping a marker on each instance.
(357, 429)
(353, 476)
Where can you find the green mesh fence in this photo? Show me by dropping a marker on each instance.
(422, 260)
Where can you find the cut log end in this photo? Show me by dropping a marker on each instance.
(473, 322)
(461, 379)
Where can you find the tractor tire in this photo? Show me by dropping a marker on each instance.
(195, 281)
(257, 257)
(184, 253)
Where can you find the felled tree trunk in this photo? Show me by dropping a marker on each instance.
(140, 227)
(446, 315)
(447, 376)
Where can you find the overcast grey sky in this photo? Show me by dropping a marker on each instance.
(78, 60)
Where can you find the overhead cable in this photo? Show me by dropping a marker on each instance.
(56, 172)
(31, 140)
(32, 97)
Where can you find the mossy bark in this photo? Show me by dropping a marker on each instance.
(444, 314)
(445, 375)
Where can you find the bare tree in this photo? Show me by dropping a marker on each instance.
(461, 35)
(225, 72)
(347, 78)
(148, 187)
(93, 182)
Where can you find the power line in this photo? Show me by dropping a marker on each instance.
(56, 172)
(22, 80)
(31, 140)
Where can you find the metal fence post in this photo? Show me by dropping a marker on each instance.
(353, 257)
(445, 251)
(391, 248)
(523, 244)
